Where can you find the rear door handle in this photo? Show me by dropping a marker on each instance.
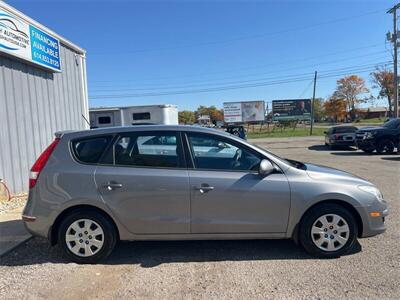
(112, 185)
(204, 188)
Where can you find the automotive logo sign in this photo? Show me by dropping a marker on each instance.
(25, 41)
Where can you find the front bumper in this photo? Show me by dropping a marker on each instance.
(365, 144)
(374, 218)
(341, 143)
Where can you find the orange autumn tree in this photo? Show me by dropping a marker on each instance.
(335, 108)
(384, 80)
(350, 89)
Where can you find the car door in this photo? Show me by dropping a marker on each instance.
(146, 185)
(227, 193)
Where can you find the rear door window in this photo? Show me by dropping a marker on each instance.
(89, 150)
(149, 149)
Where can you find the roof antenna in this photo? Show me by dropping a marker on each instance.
(85, 119)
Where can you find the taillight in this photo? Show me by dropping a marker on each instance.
(41, 162)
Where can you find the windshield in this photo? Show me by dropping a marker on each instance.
(392, 124)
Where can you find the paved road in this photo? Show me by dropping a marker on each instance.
(12, 230)
(226, 269)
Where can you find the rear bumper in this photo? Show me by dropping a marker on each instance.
(35, 223)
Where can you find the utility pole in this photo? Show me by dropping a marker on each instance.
(312, 103)
(393, 11)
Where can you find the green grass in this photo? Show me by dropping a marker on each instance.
(289, 132)
(377, 121)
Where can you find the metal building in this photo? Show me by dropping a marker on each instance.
(43, 89)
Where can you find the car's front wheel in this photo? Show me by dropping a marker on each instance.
(385, 146)
(86, 236)
(328, 231)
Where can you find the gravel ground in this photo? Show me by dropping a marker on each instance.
(226, 269)
(14, 203)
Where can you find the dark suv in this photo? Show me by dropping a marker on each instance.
(383, 139)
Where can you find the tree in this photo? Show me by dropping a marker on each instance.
(214, 113)
(384, 80)
(319, 109)
(349, 89)
(186, 117)
(335, 108)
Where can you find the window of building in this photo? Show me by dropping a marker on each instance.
(141, 116)
(104, 120)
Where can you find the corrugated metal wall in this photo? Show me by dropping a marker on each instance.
(35, 103)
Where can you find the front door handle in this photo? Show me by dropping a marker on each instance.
(204, 188)
(112, 185)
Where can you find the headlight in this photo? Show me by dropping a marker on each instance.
(369, 135)
(372, 190)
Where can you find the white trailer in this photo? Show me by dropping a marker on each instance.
(133, 115)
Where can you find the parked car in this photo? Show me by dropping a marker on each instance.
(237, 130)
(383, 139)
(340, 136)
(89, 189)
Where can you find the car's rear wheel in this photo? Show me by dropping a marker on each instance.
(385, 146)
(328, 231)
(86, 237)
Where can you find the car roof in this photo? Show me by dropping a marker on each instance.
(138, 128)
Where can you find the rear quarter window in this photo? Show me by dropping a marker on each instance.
(90, 150)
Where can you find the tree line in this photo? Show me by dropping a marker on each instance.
(350, 92)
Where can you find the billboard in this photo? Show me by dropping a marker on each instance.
(244, 111)
(27, 42)
(294, 109)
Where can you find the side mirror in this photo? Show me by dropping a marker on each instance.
(265, 168)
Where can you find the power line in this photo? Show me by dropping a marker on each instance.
(234, 87)
(246, 37)
(246, 68)
(274, 77)
(306, 89)
(225, 82)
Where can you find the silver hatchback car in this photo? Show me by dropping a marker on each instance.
(90, 189)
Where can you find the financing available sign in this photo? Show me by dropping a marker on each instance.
(28, 42)
(245, 111)
(294, 109)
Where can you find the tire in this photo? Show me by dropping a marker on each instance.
(385, 146)
(338, 245)
(101, 245)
